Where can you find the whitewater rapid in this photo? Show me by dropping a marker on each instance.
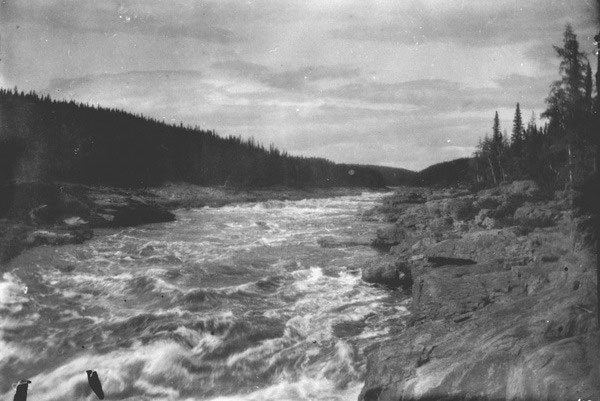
(231, 303)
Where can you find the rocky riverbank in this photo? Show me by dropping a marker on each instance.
(59, 214)
(503, 286)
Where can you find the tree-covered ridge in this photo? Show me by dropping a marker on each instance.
(560, 153)
(45, 140)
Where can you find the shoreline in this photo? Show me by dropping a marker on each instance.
(503, 297)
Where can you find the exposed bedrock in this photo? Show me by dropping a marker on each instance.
(503, 299)
(36, 213)
(389, 271)
(47, 204)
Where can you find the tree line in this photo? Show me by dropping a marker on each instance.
(47, 140)
(562, 152)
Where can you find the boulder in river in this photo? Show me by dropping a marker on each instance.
(388, 271)
(389, 236)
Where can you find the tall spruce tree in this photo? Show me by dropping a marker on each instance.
(566, 101)
(496, 134)
(517, 131)
(496, 152)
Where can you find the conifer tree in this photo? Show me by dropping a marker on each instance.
(517, 131)
(496, 134)
(589, 85)
(566, 101)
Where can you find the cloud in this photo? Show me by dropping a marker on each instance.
(428, 97)
(164, 95)
(474, 23)
(294, 79)
(111, 17)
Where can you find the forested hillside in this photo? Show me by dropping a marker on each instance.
(46, 140)
(446, 174)
(393, 176)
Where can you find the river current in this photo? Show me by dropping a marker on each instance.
(231, 303)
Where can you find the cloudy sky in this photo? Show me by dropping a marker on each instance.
(402, 83)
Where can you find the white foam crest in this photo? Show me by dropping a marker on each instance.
(342, 204)
(306, 279)
(109, 284)
(199, 341)
(155, 369)
(371, 333)
(266, 349)
(340, 365)
(303, 389)
(11, 352)
(13, 293)
(309, 327)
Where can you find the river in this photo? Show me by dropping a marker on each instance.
(231, 303)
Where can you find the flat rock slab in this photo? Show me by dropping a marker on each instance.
(480, 246)
(535, 348)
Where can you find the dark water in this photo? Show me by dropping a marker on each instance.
(236, 303)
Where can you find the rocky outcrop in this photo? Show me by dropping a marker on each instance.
(392, 206)
(390, 272)
(51, 214)
(111, 207)
(482, 246)
(535, 216)
(536, 349)
(503, 301)
(389, 236)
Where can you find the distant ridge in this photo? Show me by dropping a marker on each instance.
(456, 172)
(395, 176)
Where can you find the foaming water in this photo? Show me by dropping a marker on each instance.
(232, 303)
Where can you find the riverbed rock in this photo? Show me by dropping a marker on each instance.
(71, 206)
(441, 224)
(388, 271)
(538, 347)
(481, 216)
(389, 236)
(487, 202)
(461, 208)
(535, 216)
(402, 197)
(528, 188)
(454, 291)
(414, 218)
(117, 208)
(481, 246)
